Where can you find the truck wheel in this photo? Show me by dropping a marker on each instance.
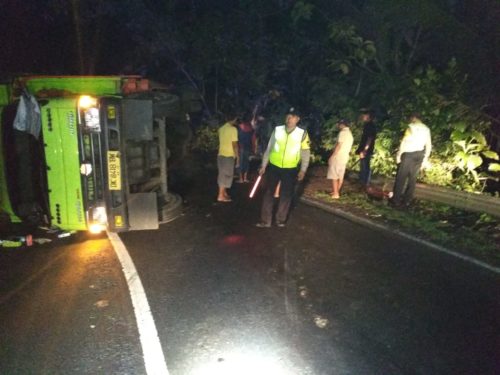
(172, 209)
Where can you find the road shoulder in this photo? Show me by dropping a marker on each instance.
(470, 236)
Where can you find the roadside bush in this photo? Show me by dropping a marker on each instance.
(206, 139)
(384, 161)
(459, 144)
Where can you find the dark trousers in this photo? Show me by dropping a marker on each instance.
(288, 178)
(244, 160)
(406, 177)
(364, 169)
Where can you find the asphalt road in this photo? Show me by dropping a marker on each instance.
(65, 309)
(321, 296)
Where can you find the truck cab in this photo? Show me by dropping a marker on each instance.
(85, 153)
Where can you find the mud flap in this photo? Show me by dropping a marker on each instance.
(143, 211)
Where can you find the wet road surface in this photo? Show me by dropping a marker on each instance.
(321, 296)
(65, 309)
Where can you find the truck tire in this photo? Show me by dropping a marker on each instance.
(172, 209)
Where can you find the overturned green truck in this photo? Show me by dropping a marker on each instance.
(85, 153)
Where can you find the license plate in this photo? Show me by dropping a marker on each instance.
(114, 170)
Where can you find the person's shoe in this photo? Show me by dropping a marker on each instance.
(407, 205)
(280, 224)
(396, 205)
(263, 225)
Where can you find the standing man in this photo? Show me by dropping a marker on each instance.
(366, 147)
(228, 153)
(288, 146)
(339, 158)
(245, 135)
(413, 154)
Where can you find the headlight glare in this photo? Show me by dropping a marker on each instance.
(99, 215)
(97, 228)
(91, 118)
(86, 101)
(88, 108)
(98, 219)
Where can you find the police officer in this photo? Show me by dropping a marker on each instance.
(413, 154)
(287, 148)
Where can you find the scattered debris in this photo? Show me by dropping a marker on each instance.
(64, 234)
(303, 291)
(102, 303)
(41, 241)
(320, 321)
(51, 230)
(17, 241)
(8, 243)
(49, 234)
(41, 236)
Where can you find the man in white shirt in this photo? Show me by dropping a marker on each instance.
(412, 155)
(339, 158)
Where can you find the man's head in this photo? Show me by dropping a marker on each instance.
(292, 118)
(343, 123)
(415, 117)
(232, 118)
(366, 115)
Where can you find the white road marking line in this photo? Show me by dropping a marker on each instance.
(154, 360)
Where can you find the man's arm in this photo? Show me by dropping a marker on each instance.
(365, 149)
(428, 148)
(305, 156)
(265, 157)
(336, 148)
(340, 140)
(371, 134)
(402, 146)
(236, 152)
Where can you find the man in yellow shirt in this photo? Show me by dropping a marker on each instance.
(228, 154)
(287, 148)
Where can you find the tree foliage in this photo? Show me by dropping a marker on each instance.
(329, 57)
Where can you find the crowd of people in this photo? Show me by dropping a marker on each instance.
(285, 159)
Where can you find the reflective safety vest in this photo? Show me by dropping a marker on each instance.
(286, 150)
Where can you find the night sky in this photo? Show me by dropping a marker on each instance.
(246, 47)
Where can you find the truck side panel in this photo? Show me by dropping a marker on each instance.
(82, 85)
(5, 203)
(59, 123)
